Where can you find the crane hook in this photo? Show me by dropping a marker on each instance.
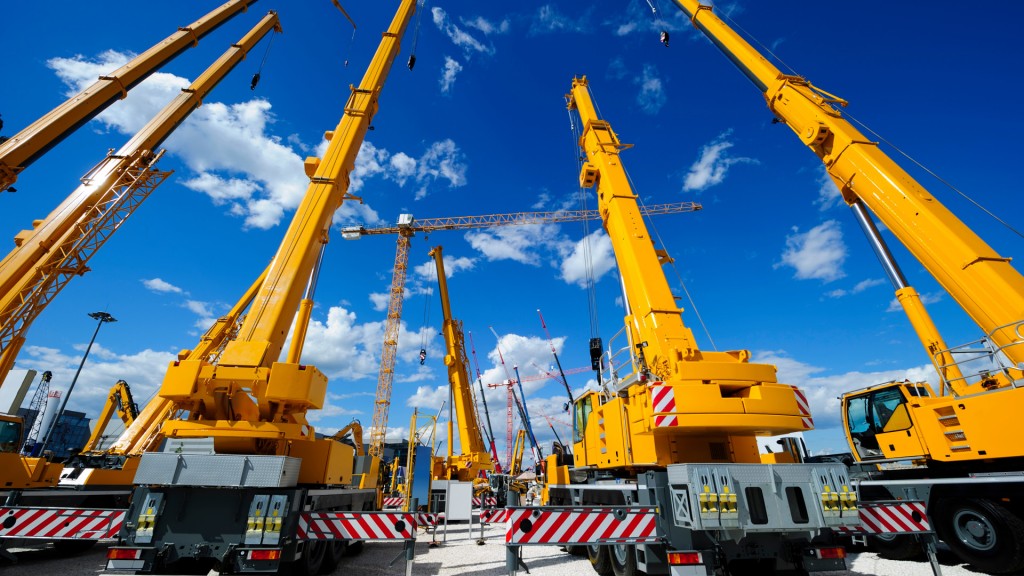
(664, 37)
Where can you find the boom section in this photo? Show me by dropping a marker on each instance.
(48, 255)
(980, 280)
(713, 393)
(248, 401)
(33, 141)
(473, 456)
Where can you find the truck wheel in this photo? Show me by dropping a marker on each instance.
(312, 558)
(896, 546)
(332, 555)
(623, 557)
(983, 534)
(576, 550)
(599, 559)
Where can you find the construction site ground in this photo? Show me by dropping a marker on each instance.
(458, 553)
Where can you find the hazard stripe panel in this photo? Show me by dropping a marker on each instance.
(663, 399)
(895, 518)
(394, 502)
(494, 515)
(60, 524)
(426, 519)
(607, 525)
(485, 501)
(364, 526)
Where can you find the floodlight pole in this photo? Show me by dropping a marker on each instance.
(101, 319)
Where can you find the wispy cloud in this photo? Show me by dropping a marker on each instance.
(449, 73)
(857, 289)
(652, 92)
(817, 254)
(458, 36)
(829, 195)
(159, 285)
(713, 164)
(548, 20)
(594, 253)
(486, 26)
(442, 161)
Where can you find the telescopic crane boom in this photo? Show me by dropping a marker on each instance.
(18, 152)
(980, 280)
(473, 455)
(58, 247)
(248, 402)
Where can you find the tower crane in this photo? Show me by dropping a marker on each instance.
(59, 246)
(405, 229)
(20, 150)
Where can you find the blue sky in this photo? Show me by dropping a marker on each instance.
(773, 263)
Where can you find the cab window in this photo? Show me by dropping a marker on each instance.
(582, 409)
(884, 404)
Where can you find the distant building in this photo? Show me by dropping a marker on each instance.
(69, 433)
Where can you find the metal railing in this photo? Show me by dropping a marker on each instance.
(982, 360)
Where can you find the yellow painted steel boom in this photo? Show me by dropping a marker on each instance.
(676, 403)
(473, 456)
(34, 140)
(980, 280)
(58, 247)
(974, 418)
(248, 402)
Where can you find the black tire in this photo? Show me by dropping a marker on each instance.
(312, 558)
(600, 559)
(332, 555)
(576, 550)
(623, 557)
(982, 533)
(896, 547)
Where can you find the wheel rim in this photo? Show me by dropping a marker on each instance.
(974, 530)
(620, 554)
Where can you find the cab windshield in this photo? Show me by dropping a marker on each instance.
(10, 436)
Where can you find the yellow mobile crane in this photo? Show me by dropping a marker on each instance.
(405, 229)
(240, 508)
(119, 400)
(676, 427)
(34, 140)
(59, 246)
(473, 456)
(961, 442)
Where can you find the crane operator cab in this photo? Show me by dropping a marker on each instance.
(10, 434)
(879, 422)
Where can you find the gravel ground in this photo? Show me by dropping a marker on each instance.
(458, 554)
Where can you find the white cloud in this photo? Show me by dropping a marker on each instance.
(601, 259)
(458, 36)
(448, 74)
(443, 161)
(521, 244)
(640, 18)
(428, 397)
(549, 20)
(857, 289)
(403, 167)
(428, 271)
(380, 300)
(268, 178)
(817, 254)
(158, 285)
(651, 96)
(486, 26)
(926, 299)
(713, 165)
(829, 195)
(144, 371)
